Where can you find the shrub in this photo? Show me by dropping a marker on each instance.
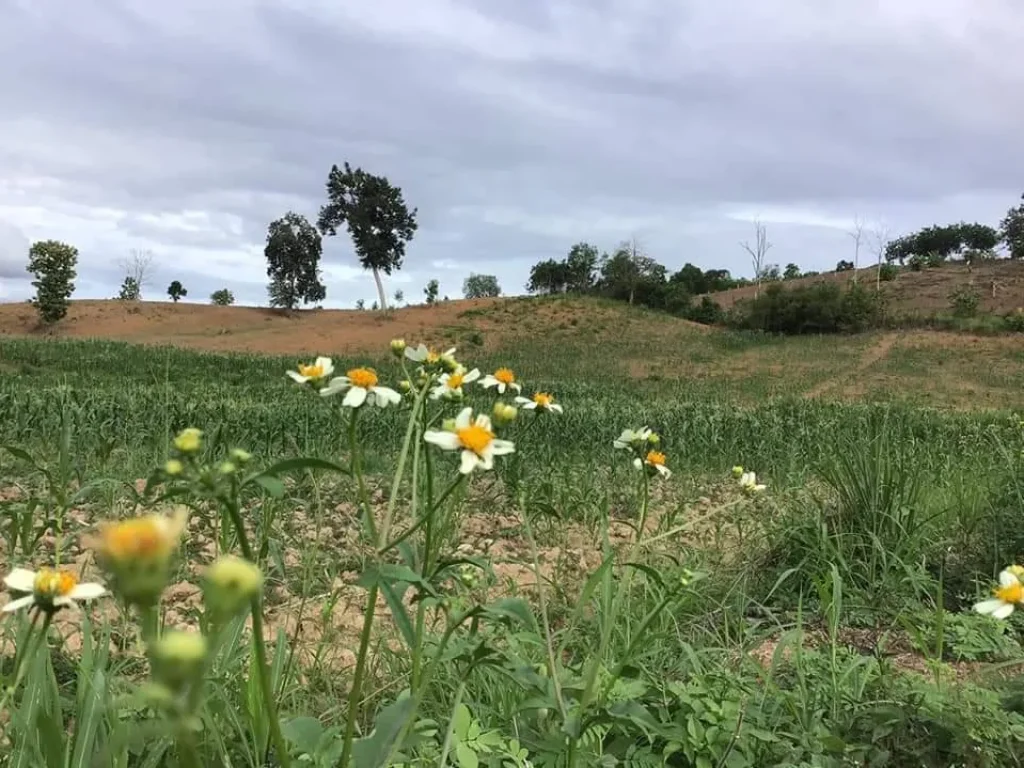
(964, 301)
(887, 272)
(129, 290)
(53, 264)
(818, 308)
(1014, 321)
(708, 312)
(222, 298)
(844, 266)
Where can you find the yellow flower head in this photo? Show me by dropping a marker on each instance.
(189, 440)
(178, 657)
(48, 589)
(49, 584)
(173, 467)
(137, 553)
(362, 377)
(230, 583)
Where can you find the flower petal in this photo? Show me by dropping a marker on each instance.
(1003, 611)
(297, 377)
(471, 376)
(1007, 579)
(20, 580)
(502, 447)
(354, 398)
(447, 441)
(21, 602)
(988, 606)
(87, 591)
(384, 396)
(464, 418)
(638, 464)
(468, 462)
(325, 365)
(334, 386)
(555, 407)
(516, 387)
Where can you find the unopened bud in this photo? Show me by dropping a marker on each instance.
(178, 658)
(240, 456)
(405, 386)
(173, 467)
(398, 347)
(189, 440)
(737, 471)
(503, 413)
(227, 468)
(229, 584)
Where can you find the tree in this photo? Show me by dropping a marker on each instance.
(431, 292)
(53, 264)
(480, 286)
(293, 253)
(136, 267)
(879, 236)
(757, 252)
(378, 220)
(222, 298)
(176, 290)
(129, 290)
(625, 271)
(360, 304)
(844, 266)
(857, 235)
(792, 272)
(1011, 228)
(548, 276)
(399, 296)
(579, 268)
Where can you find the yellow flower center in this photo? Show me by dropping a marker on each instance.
(505, 376)
(1014, 593)
(475, 438)
(656, 459)
(433, 356)
(362, 377)
(311, 371)
(543, 400)
(140, 538)
(50, 583)
(455, 381)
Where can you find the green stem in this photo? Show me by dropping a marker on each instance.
(32, 641)
(357, 469)
(446, 747)
(400, 469)
(357, 681)
(260, 645)
(423, 518)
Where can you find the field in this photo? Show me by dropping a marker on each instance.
(564, 608)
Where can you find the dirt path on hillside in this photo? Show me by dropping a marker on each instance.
(873, 354)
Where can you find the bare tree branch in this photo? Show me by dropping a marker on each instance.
(857, 233)
(880, 236)
(757, 253)
(137, 266)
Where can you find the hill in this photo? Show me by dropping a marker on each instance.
(999, 283)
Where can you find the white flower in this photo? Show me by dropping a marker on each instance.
(422, 354)
(450, 384)
(749, 484)
(503, 379)
(655, 462)
(541, 401)
(1008, 594)
(48, 589)
(320, 369)
(360, 386)
(630, 438)
(475, 438)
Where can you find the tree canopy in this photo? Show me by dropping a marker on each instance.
(293, 252)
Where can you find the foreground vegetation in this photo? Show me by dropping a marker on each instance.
(564, 608)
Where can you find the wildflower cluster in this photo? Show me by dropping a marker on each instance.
(747, 481)
(644, 443)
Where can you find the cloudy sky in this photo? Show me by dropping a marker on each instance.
(517, 127)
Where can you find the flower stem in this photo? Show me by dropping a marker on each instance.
(32, 641)
(357, 469)
(357, 681)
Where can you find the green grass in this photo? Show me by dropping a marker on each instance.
(851, 577)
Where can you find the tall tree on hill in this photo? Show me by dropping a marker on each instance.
(629, 268)
(377, 217)
(757, 252)
(579, 268)
(53, 265)
(293, 253)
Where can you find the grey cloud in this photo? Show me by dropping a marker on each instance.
(515, 131)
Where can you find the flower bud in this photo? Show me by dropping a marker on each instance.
(405, 386)
(227, 468)
(654, 438)
(229, 584)
(178, 657)
(173, 467)
(503, 413)
(240, 456)
(737, 471)
(189, 440)
(398, 347)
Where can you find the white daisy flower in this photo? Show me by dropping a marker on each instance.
(749, 484)
(655, 462)
(541, 401)
(423, 354)
(1008, 594)
(503, 379)
(632, 438)
(475, 438)
(449, 385)
(48, 589)
(360, 386)
(320, 369)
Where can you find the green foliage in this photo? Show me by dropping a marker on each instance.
(792, 272)
(1011, 230)
(964, 301)
(480, 286)
(844, 266)
(430, 292)
(378, 219)
(579, 268)
(548, 277)
(129, 290)
(222, 297)
(293, 252)
(931, 246)
(818, 308)
(888, 272)
(53, 265)
(176, 291)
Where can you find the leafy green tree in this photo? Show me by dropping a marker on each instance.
(399, 296)
(481, 286)
(628, 270)
(377, 218)
(222, 298)
(53, 265)
(176, 290)
(791, 272)
(293, 252)
(1011, 228)
(579, 268)
(130, 290)
(431, 292)
(548, 276)
(692, 279)
(844, 266)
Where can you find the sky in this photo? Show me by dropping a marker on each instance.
(515, 128)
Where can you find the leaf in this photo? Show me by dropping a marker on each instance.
(21, 453)
(51, 739)
(652, 574)
(88, 722)
(513, 608)
(270, 484)
(465, 756)
(399, 614)
(304, 733)
(289, 465)
(461, 720)
(374, 750)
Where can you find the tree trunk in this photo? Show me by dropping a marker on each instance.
(380, 290)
